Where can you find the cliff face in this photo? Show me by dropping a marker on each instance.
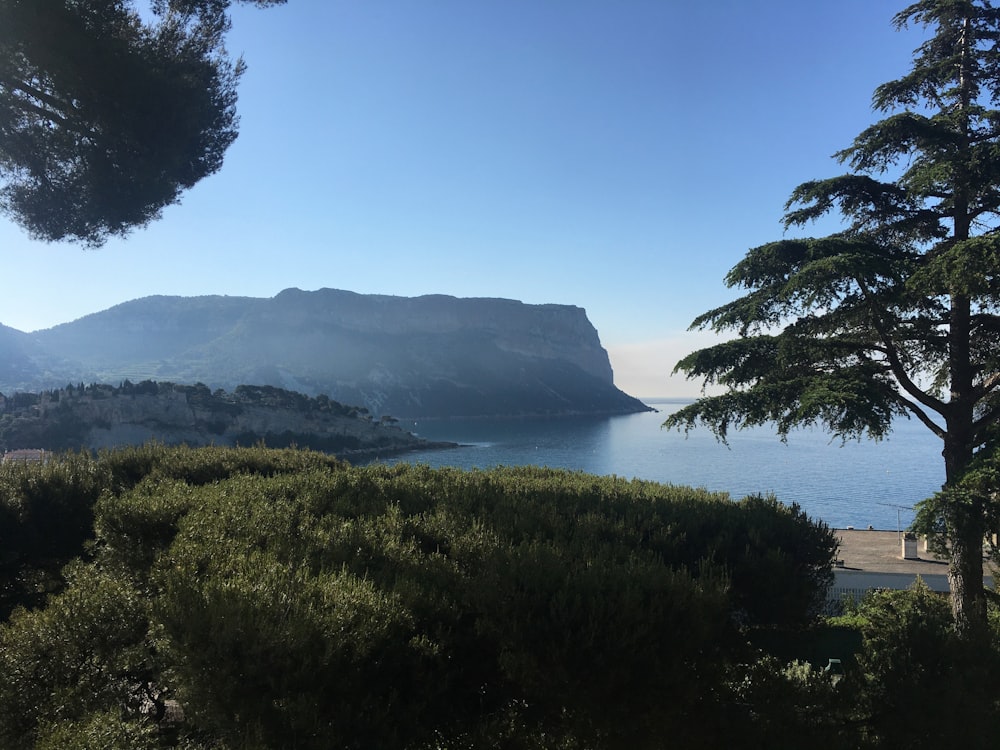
(426, 357)
(555, 332)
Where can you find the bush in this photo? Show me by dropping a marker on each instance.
(289, 600)
(46, 515)
(918, 682)
(86, 651)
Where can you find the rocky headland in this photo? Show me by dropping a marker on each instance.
(424, 357)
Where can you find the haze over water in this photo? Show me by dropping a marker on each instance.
(855, 484)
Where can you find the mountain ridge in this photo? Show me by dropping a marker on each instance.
(431, 356)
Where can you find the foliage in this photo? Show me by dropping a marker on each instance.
(100, 731)
(917, 680)
(62, 419)
(85, 652)
(531, 583)
(896, 314)
(289, 600)
(911, 681)
(47, 510)
(975, 493)
(791, 705)
(106, 116)
(285, 599)
(76, 164)
(46, 514)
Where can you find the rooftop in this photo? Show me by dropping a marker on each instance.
(26, 455)
(874, 551)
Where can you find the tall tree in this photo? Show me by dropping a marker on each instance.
(105, 118)
(897, 313)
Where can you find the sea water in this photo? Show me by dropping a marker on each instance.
(844, 484)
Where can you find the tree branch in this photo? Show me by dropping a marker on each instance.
(987, 386)
(37, 93)
(895, 364)
(981, 425)
(47, 114)
(923, 417)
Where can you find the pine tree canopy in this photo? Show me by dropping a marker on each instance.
(896, 314)
(107, 116)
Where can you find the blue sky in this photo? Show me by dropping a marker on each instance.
(618, 155)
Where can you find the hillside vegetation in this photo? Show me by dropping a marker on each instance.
(102, 416)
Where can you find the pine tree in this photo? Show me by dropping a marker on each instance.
(107, 117)
(896, 314)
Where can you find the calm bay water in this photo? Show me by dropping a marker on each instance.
(857, 484)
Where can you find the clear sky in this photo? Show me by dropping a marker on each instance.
(618, 155)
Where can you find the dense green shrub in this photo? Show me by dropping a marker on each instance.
(126, 467)
(100, 731)
(777, 705)
(917, 681)
(46, 515)
(289, 600)
(465, 621)
(47, 509)
(87, 651)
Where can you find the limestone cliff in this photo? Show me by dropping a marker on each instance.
(426, 357)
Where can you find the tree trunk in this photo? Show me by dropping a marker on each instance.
(966, 530)
(965, 577)
(966, 527)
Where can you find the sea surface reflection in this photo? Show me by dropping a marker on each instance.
(857, 483)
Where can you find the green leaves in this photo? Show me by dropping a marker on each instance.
(811, 347)
(882, 145)
(87, 651)
(897, 313)
(850, 401)
(875, 211)
(282, 599)
(909, 641)
(104, 118)
(791, 278)
(968, 267)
